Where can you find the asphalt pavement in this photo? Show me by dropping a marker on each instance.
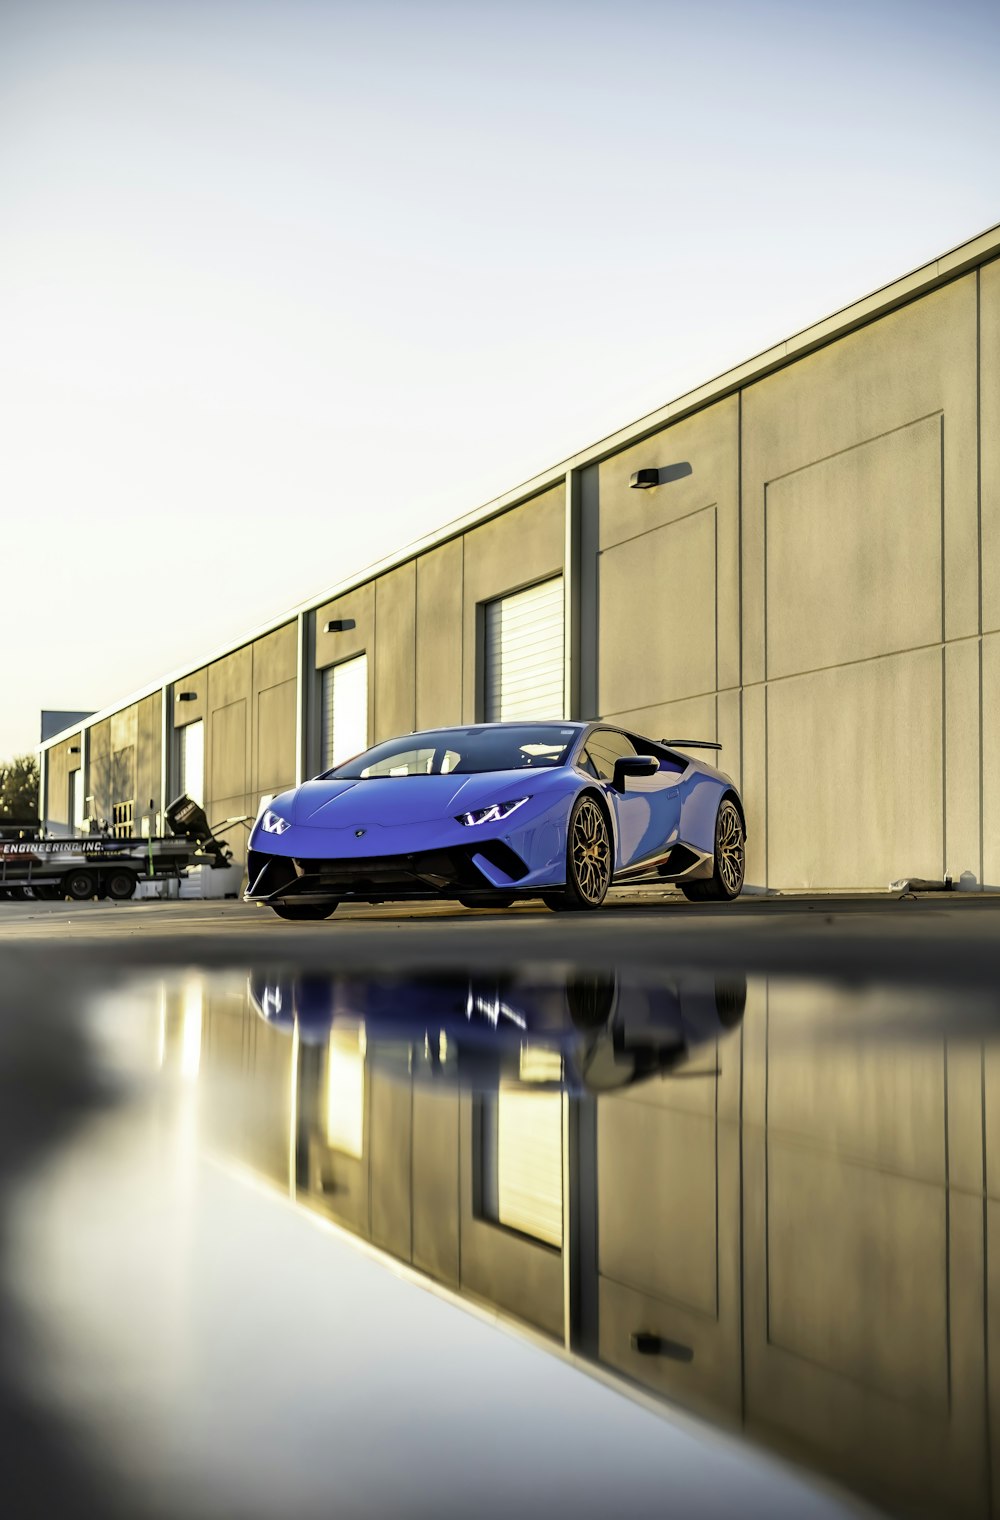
(944, 939)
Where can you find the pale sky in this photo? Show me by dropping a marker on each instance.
(286, 285)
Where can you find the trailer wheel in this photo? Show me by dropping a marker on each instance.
(79, 885)
(120, 885)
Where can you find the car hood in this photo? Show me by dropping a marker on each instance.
(407, 799)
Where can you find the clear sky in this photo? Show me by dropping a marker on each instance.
(285, 285)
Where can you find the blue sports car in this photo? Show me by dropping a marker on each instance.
(492, 812)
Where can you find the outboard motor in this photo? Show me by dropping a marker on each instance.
(187, 820)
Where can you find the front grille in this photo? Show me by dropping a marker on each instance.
(422, 874)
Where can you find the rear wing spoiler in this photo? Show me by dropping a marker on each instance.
(690, 744)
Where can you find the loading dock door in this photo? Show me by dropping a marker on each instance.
(345, 710)
(523, 654)
(191, 762)
(76, 801)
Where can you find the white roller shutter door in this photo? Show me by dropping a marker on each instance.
(524, 654)
(191, 762)
(529, 1163)
(345, 710)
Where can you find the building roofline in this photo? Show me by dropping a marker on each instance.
(878, 303)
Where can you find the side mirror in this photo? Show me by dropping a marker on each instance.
(633, 765)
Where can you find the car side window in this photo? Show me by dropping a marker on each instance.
(602, 749)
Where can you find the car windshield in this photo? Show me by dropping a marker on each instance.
(461, 751)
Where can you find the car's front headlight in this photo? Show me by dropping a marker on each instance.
(273, 823)
(495, 813)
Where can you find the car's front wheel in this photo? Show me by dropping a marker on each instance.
(588, 860)
(726, 880)
(304, 912)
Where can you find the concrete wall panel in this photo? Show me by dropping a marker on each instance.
(855, 773)
(274, 759)
(829, 1223)
(439, 598)
(149, 769)
(435, 1183)
(991, 760)
(227, 734)
(963, 835)
(61, 761)
(390, 1148)
(331, 648)
(853, 553)
(189, 712)
(228, 765)
(700, 455)
(99, 772)
(658, 615)
(506, 554)
(989, 375)
(273, 713)
(881, 1104)
(395, 653)
(660, 1167)
(754, 791)
(913, 364)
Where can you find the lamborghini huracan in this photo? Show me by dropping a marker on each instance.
(494, 812)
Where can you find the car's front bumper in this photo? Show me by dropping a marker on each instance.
(378, 862)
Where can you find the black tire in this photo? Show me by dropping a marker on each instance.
(120, 885)
(730, 1001)
(589, 860)
(80, 885)
(590, 997)
(304, 912)
(729, 865)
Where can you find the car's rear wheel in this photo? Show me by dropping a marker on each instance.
(726, 880)
(588, 860)
(304, 912)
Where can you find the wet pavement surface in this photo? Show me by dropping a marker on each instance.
(658, 1213)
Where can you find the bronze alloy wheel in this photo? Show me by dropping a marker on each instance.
(726, 880)
(730, 849)
(588, 860)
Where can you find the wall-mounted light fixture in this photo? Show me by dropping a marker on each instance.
(339, 625)
(74, 749)
(187, 696)
(644, 480)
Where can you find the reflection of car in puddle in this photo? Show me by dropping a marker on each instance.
(586, 1031)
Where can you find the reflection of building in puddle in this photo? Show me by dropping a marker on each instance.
(784, 1225)
(345, 1091)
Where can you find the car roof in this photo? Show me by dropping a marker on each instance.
(576, 724)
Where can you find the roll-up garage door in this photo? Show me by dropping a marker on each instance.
(191, 762)
(345, 710)
(524, 654)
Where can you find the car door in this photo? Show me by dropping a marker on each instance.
(647, 808)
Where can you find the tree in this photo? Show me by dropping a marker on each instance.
(19, 789)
